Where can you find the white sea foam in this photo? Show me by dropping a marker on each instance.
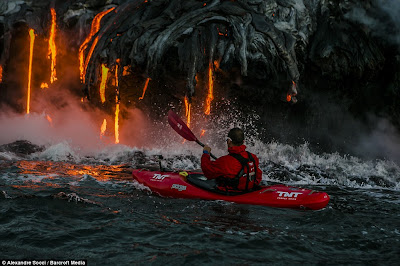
(298, 164)
(58, 152)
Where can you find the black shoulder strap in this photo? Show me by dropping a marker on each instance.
(251, 158)
(243, 161)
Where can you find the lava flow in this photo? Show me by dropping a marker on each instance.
(93, 30)
(104, 74)
(44, 85)
(291, 93)
(103, 128)
(32, 41)
(187, 108)
(52, 46)
(116, 120)
(144, 88)
(210, 95)
(1, 73)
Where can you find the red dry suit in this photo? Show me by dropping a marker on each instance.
(227, 168)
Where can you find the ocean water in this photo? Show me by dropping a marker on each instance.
(58, 203)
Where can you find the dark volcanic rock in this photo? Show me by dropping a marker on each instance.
(21, 147)
(344, 56)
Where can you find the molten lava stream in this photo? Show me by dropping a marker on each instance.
(93, 30)
(210, 95)
(32, 41)
(1, 73)
(144, 88)
(52, 45)
(116, 121)
(103, 128)
(104, 74)
(44, 85)
(187, 108)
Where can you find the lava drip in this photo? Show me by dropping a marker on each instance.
(32, 41)
(187, 109)
(104, 74)
(290, 95)
(144, 88)
(103, 128)
(116, 120)
(52, 46)
(93, 30)
(210, 95)
(1, 73)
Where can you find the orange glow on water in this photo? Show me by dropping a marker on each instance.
(104, 74)
(51, 169)
(187, 108)
(93, 30)
(44, 85)
(210, 95)
(32, 42)
(52, 45)
(103, 128)
(144, 88)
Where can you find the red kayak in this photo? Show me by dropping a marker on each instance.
(194, 185)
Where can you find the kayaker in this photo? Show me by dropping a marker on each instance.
(237, 171)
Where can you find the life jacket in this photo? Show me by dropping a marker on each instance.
(246, 179)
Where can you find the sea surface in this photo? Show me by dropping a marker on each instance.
(56, 203)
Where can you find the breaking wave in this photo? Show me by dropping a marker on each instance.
(279, 162)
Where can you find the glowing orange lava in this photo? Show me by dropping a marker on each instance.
(144, 88)
(210, 95)
(292, 92)
(44, 85)
(103, 128)
(202, 133)
(216, 64)
(116, 121)
(32, 41)
(93, 30)
(52, 46)
(116, 73)
(49, 119)
(1, 73)
(104, 74)
(116, 124)
(187, 108)
(126, 71)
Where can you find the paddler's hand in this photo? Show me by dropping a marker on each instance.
(206, 149)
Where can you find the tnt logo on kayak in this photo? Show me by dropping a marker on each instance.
(287, 195)
(178, 187)
(159, 177)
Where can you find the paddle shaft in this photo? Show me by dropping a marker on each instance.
(182, 129)
(202, 145)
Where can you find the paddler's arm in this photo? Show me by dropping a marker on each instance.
(211, 169)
